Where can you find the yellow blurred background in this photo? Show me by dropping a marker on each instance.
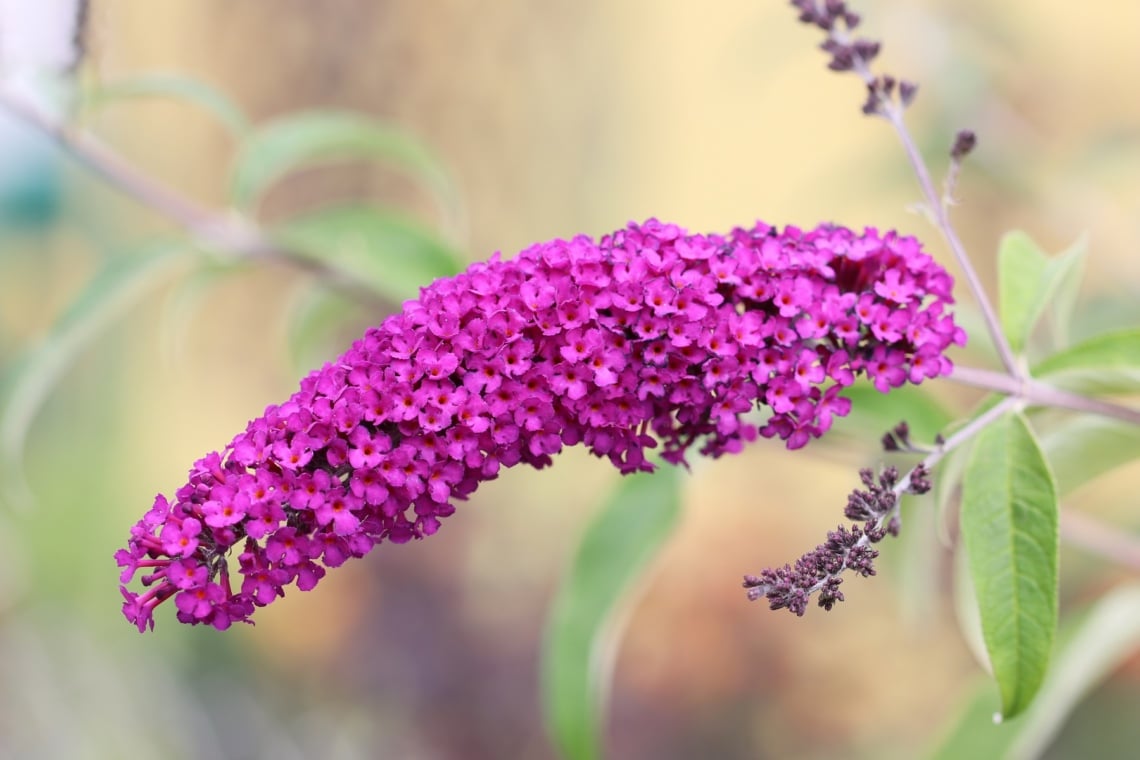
(554, 119)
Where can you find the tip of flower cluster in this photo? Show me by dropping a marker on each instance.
(648, 338)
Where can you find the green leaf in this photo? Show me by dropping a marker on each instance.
(1107, 363)
(1081, 448)
(389, 253)
(594, 600)
(1109, 635)
(919, 560)
(1088, 652)
(28, 383)
(1009, 525)
(965, 598)
(1028, 282)
(1021, 267)
(322, 137)
(974, 734)
(947, 478)
(948, 474)
(183, 302)
(313, 319)
(1071, 273)
(876, 412)
(178, 87)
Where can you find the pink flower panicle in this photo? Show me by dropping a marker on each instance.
(647, 337)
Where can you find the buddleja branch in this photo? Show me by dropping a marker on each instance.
(889, 98)
(216, 230)
(876, 508)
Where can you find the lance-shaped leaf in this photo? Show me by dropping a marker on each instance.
(316, 316)
(389, 253)
(1108, 363)
(175, 87)
(1069, 266)
(1009, 524)
(1089, 650)
(1081, 448)
(1028, 282)
(322, 137)
(30, 381)
(585, 620)
(876, 413)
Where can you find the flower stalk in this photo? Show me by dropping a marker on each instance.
(855, 54)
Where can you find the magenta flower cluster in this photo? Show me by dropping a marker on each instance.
(649, 337)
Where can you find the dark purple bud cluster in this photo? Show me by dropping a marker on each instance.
(881, 90)
(853, 54)
(846, 549)
(898, 439)
(964, 143)
(827, 14)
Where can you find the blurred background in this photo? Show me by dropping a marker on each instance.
(551, 119)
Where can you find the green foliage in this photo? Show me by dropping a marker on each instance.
(593, 602)
(387, 252)
(30, 381)
(175, 87)
(875, 413)
(1009, 525)
(314, 316)
(1029, 281)
(311, 138)
(1081, 448)
(946, 486)
(1071, 264)
(183, 304)
(1108, 363)
(1089, 649)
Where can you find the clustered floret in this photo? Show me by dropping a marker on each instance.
(820, 571)
(647, 337)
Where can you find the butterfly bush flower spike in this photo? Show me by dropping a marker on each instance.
(649, 338)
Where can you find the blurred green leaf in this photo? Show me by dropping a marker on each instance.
(965, 598)
(919, 560)
(1088, 651)
(313, 317)
(948, 474)
(1029, 281)
(1070, 267)
(585, 619)
(1009, 525)
(1108, 636)
(312, 138)
(974, 734)
(1080, 448)
(1108, 363)
(388, 252)
(177, 87)
(28, 383)
(980, 347)
(1021, 267)
(947, 477)
(876, 412)
(183, 302)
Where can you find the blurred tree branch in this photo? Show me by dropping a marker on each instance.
(224, 231)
